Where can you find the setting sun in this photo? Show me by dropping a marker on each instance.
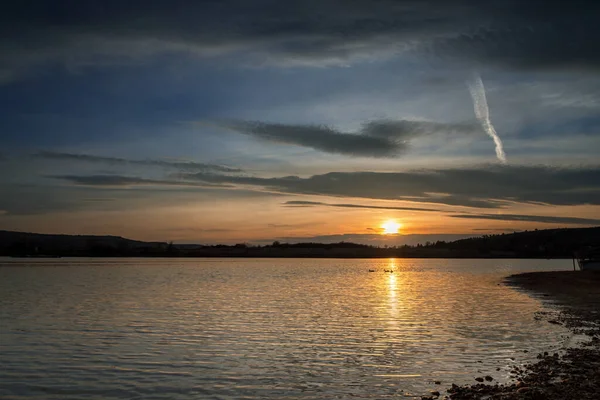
(390, 227)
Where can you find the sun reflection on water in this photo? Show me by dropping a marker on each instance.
(392, 292)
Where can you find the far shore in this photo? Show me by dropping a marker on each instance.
(422, 256)
(560, 243)
(572, 375)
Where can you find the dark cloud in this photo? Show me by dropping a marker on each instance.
(119, 180)
(407, 129)
(484, 186)
(302, 203)
(381, 138)
(315, 32)
(532, 35)
(497, 217)
(320, 138)
(180, 165)
(532, 218)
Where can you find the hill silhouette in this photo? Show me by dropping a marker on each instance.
(547, 243)
(39, 244)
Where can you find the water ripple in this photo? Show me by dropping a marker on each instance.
(181, 329)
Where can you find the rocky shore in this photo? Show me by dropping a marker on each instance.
(573, 374)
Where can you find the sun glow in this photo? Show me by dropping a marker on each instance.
(390, 227)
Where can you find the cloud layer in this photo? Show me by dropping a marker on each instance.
(126, 181)
(485, 186)
(379, 138)
(530, 34)
(484, 192)
(180, 165)
(303, 203)
(495, 217)
(532, 218)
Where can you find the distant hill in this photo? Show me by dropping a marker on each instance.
(547, 243)
(23, 243)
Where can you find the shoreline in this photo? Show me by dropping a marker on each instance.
(349, 257)
(573, 375)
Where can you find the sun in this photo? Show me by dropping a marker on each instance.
(390, 227)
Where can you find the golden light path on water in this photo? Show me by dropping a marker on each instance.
(392, 288)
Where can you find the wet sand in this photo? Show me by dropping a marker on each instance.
(573, 374)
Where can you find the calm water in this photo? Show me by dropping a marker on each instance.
(257, 328)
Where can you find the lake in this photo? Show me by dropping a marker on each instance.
(262, 328)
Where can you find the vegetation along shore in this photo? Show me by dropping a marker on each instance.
(546, 243)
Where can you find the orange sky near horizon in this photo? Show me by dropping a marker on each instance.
(268, 219)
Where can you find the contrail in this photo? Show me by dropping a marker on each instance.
(482, 113)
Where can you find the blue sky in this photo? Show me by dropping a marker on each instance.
(178, 120)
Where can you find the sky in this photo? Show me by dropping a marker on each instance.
(233, 121)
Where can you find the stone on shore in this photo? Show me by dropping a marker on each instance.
(574, 375)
